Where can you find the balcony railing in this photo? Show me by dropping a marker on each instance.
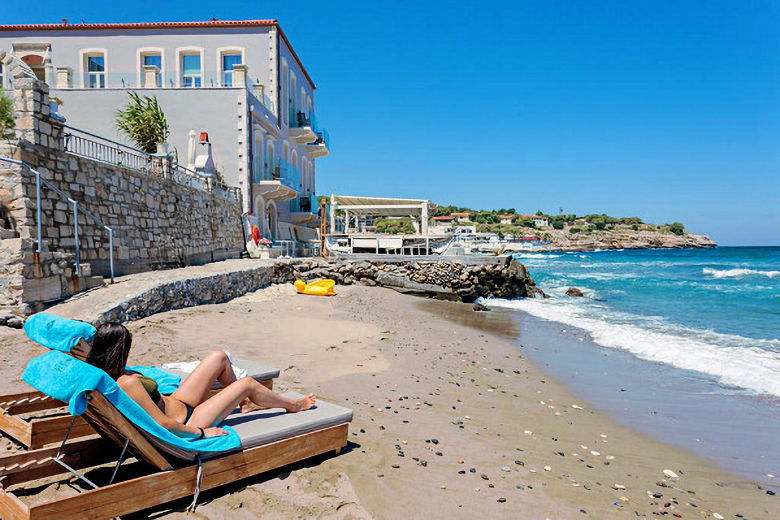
(323, 137)
(301, 204)
(281, 171)
(92, 146)
(86, 144)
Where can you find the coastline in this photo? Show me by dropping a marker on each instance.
(416, 370)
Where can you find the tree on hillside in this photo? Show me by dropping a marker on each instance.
(677, 228)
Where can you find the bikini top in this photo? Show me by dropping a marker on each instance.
(150, 385)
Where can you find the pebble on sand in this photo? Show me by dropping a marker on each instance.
(594, 453)
(576, 407)
(717, 516)
(618, 486)
(547, 468)
(670, 474)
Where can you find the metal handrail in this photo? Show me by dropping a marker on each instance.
(113, 152)
(106, 150)
(39, 180)
(211, 182)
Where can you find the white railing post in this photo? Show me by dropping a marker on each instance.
(76, 232)
(111, 251)
(38, 207)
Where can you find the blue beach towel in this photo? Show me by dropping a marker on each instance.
(74, 379)
(57, 333)
(167, 383)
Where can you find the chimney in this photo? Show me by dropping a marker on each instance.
(204, 163)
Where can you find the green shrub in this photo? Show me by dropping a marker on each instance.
(601, 225)
(635, 227)
(143, 121)
(677, 228)
(574, 230)
(395, 227)
(6, 116)
(557, 224)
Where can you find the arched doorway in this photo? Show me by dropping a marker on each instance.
(270, 219)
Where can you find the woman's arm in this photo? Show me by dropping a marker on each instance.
(137, 393)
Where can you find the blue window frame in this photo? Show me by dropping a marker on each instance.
(156, 60)
(96, 71)
(228, 62)
(192, 73)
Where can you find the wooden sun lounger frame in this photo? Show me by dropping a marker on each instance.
(40, 431)
(171, 480)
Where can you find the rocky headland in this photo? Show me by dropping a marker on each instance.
(563, 240)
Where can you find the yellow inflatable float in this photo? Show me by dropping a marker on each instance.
(317, 287)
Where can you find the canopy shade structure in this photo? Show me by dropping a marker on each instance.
(381, 206)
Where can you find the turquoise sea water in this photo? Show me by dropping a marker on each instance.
(713, 311)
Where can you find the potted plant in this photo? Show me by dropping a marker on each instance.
(54, 105)
(144, 123)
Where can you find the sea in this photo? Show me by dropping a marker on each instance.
(694, 334)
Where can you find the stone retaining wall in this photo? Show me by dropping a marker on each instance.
(458, 280)
(157, 222)
(180, 294)
(444, 279)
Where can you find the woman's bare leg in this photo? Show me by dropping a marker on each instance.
(216, 408)
(195, 389)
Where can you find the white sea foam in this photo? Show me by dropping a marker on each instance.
(738, 273)
(734, 360)
(535, 255)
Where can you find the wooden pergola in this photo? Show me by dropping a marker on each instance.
(418, 209)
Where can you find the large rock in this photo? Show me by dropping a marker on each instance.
(573, 291)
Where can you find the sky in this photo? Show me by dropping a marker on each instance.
(669, 111)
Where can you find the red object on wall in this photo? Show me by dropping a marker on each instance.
(204, 137)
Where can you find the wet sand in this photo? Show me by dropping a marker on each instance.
(450, 420)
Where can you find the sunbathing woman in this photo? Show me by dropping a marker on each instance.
(189, 410)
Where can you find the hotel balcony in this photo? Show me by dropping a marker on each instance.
(302, 127)
(277, 182)
(319, 147)
(301, 210)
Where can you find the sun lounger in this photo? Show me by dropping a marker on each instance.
(259, 441)
(44, 428)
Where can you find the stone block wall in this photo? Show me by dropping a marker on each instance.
(438, 277)
(157, 222)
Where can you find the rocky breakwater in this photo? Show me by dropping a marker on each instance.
(625, 239)
(456, 280)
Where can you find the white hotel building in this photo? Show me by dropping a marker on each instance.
(239, 81)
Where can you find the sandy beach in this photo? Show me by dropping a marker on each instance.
(450, 420)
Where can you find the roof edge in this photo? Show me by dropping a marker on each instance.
(162, 25)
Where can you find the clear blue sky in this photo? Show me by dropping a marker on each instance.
(664, 110)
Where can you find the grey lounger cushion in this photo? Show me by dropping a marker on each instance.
(254, 370)
(266, 426)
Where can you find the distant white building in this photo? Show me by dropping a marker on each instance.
(538, 220)
(506, 219)
(240, 81)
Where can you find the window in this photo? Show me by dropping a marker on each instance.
(191, 72)
(155, 60)
(2, 77)
(228, 61)
(96, 71)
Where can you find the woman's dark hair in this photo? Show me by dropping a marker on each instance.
(110, 348)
